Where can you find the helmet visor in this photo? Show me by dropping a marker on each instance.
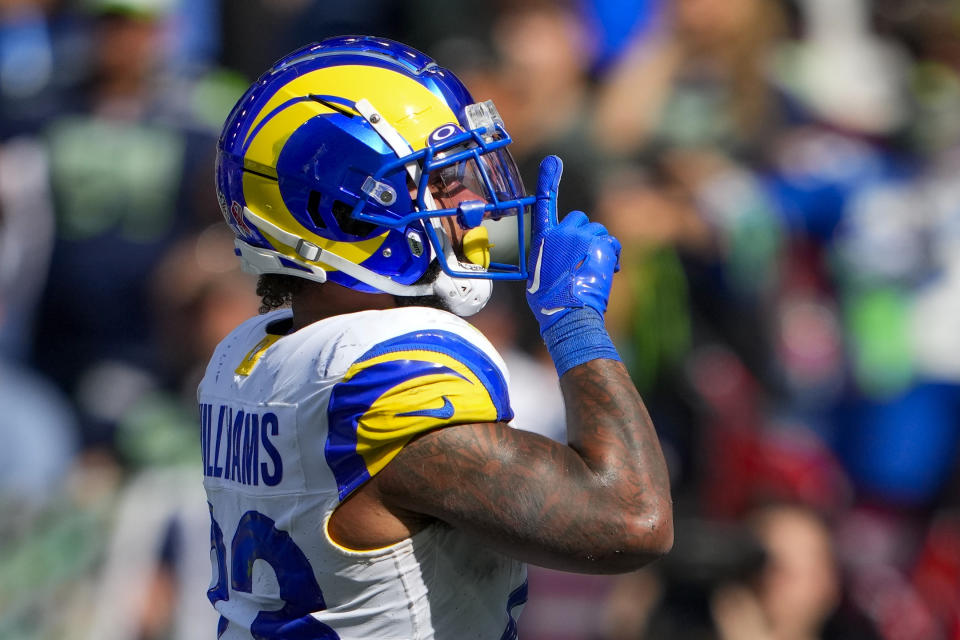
(470, 175)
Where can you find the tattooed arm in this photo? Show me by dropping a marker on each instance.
(599, 505)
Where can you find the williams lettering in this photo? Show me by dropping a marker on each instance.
(241, 447)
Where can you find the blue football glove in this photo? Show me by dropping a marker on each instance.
(571, 263)
(571, 266)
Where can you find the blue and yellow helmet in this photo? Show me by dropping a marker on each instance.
(360, 161)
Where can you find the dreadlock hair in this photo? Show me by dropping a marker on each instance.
(277, 290)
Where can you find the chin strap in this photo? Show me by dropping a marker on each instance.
(266, 261)
(462, 296)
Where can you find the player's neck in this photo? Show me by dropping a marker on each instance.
(315, 302)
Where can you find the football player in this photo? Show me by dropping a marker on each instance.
(362, 478)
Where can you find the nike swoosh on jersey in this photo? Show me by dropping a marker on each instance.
(535, 286)
(550, 312)
(442, 413)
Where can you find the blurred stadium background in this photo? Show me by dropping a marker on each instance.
(782, 174)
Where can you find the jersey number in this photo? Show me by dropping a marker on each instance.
(257, 538)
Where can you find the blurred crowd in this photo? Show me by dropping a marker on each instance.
(781, 174)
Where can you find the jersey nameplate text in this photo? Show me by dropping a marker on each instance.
(253, 447)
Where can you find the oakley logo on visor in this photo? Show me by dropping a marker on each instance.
(443, 132)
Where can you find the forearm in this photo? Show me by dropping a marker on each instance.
(623, 470)
(609, 428)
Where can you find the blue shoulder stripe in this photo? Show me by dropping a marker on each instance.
(369, 420)
(457, 347)
(350, 401)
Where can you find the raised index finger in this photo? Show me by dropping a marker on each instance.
(545, 208)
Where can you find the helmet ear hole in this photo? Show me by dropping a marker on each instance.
(313, 210)
(342, 214)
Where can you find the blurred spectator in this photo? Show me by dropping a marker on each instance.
(798, 590)
(42, 59)
(127, 171)
(684, 111)
(676, 598)
(774, 576)
(38, 423)
(842, 71)
(54, 555)
(26, 241)
(40, 441)
(544, 52)
(155, 572)
(701, 82)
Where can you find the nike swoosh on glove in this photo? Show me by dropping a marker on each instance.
(571, 262)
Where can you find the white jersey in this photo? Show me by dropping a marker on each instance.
(291, 425)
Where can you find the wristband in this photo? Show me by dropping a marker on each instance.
(577, 337)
